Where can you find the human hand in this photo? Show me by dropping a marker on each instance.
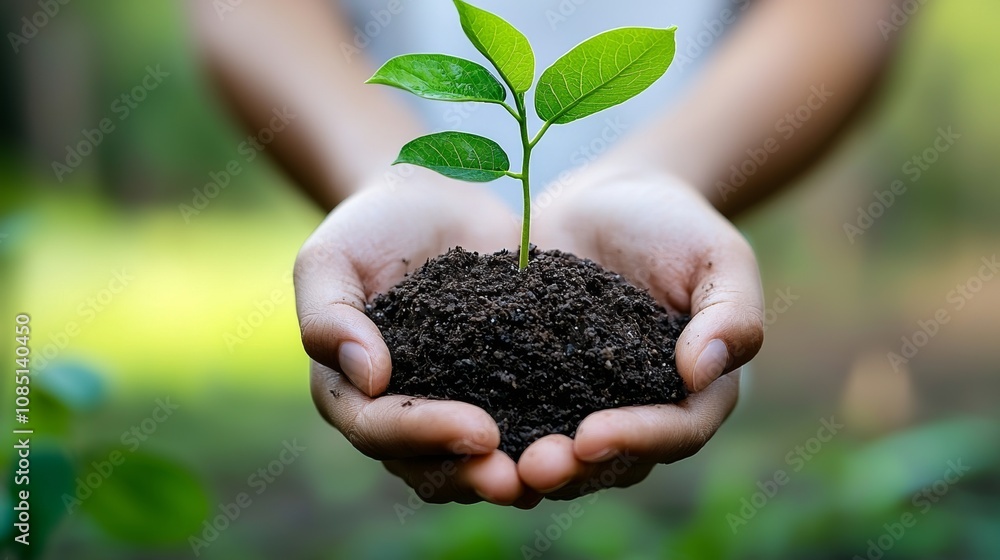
(665, 237)
(364, 247)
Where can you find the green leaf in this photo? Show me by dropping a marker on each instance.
(51, 475)
(505, 47)
(147, 499)
(74, 384)
(457, 155)
(602, 72)
(441, 77)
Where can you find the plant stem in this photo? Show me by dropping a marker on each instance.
(541, 133)
(525, 179)
(511, 111)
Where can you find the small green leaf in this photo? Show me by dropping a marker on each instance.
(148, 499)
(441, 77)
(506, 47)
(457, 155)
(74, 384)
(602, 72)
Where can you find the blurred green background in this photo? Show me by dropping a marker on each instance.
(193, 373)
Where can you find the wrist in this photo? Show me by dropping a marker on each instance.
(657, 156)
(620, 167)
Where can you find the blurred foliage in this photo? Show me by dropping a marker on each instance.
(165, 333)
(136, 496)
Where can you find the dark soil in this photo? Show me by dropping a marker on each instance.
(538, 350)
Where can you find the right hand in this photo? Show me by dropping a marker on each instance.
(363, 248)
(661, 234)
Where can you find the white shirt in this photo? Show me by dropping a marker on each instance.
(389, 28)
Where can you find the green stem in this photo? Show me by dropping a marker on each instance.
(525, 179)
(511, 111)
(541, 132)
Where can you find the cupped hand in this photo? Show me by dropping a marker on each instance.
(664, 236)
(445, 450)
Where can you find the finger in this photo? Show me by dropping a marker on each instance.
(330, 298)
(466, 479)
(727, 323)
(396, 426)
(657, 433)
(551, 467)
(548, 464)
(619, 472)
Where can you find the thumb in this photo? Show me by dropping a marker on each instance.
(727, 323)
(330, 301)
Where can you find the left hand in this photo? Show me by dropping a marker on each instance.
(445, 450)
(665, 237)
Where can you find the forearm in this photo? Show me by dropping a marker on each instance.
(268, 55)
(741, 132)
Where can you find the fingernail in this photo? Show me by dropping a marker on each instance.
(356, 365)
(491, 499)
(710, 365)
(471, 447)
(600, 455)
(554, 488)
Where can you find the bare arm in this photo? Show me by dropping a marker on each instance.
(270, 54)
(786, 54)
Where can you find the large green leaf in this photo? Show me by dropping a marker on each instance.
(458, 155)
(506, 47)
(602, 72)
(440, 77)
(147, 499)
(51, 476)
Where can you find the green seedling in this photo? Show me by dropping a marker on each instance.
(599, 73)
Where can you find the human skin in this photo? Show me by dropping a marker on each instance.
(651, 210)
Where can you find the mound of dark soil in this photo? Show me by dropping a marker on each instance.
(538, 349)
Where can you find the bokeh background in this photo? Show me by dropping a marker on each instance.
(203, 327)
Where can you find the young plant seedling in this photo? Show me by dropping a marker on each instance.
(603, 71)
